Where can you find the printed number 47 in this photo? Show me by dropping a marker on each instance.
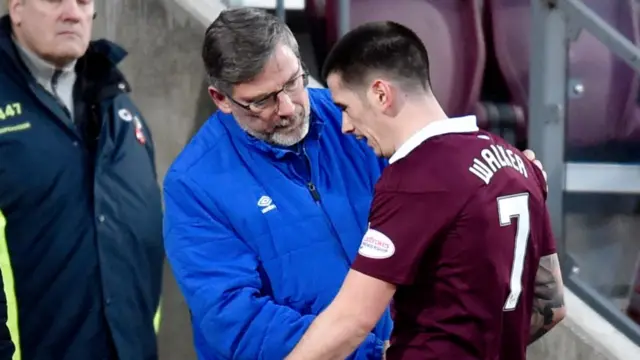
(10, 110)
(509, 207)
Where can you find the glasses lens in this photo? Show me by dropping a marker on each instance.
(264, 104)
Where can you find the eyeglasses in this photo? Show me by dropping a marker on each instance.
(271, 101)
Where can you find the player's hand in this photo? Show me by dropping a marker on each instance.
(384, 349)
(532, 157)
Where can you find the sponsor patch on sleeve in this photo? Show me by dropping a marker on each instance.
(376, 245)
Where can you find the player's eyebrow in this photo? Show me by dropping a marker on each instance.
(340, 105)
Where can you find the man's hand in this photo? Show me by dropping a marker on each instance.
(347, 321)
(532, 157)
(384, 350)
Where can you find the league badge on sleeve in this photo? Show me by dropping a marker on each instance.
(376, 245)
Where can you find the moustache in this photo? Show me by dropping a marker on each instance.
(285, 122)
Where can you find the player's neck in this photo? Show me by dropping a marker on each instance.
(415, 116)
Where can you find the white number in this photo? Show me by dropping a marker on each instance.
(516, 206)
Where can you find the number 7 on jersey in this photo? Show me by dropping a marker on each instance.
(509, 207)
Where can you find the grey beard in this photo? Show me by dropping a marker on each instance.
(289, 139)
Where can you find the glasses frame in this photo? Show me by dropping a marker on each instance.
(252, 107)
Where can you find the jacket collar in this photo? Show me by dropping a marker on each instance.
(239, 135)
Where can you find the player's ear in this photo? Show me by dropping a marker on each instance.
(380, 93)
(387, 97)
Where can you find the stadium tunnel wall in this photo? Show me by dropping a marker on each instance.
(164, 38)
(164, 67)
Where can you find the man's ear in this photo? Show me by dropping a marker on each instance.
(220, 99)
(15, 11)
(382, 94)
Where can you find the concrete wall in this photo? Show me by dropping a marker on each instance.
(167, 76)
(163, 66)
(163, 38)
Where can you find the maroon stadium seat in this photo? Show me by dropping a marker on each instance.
(605, 111)
(504, 119)
(451, 29)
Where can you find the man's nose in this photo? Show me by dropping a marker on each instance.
(347, 127)
(71, 11)
(286, 107)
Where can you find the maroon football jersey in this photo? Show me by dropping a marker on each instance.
(459, 224)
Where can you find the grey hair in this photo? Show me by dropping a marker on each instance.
(238, 44)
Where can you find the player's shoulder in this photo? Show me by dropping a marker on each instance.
(437, 164)
(499, 155)
(460, 162)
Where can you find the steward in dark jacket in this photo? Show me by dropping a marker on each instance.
(82, 252)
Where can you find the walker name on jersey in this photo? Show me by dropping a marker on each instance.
(494, 158)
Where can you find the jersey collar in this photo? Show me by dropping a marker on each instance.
(464, 124)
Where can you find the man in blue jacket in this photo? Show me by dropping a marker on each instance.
(264, 212)
(81, 255)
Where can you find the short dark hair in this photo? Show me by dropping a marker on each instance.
(385, 47)
(238, 44)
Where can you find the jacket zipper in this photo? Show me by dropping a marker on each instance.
(315, 195)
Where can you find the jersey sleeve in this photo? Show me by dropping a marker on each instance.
(402, 227)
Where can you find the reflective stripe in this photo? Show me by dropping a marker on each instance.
(9, 289)
(157, 318)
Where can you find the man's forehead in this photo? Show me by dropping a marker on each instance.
(338, 91)
(281, 67)
(337, 96)
(334, 81)
(34, 2)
